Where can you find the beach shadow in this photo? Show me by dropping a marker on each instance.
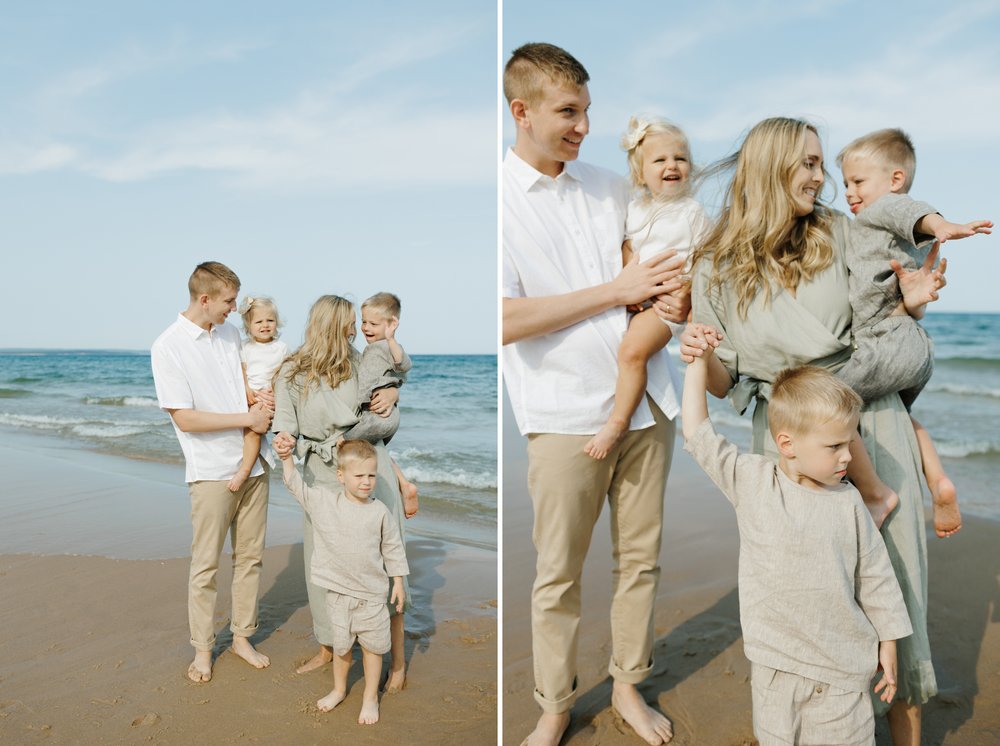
(685, 650)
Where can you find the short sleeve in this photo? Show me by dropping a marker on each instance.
(511, 280)
(173, 391)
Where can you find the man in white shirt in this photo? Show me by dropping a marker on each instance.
(564, 292)
(199, 382)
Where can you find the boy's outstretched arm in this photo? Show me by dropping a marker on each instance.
(935, 225)
(694, 406)
(887, 662)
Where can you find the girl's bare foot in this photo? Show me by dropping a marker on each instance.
(322, 658)
(200, 670)
(881, 504)
(396, 681)
(238, 480)
(947, 517)
(651, 726)
(369, 712)
(410, 503)
(243, 648)
(548, 730)
(607, 438)
(331, 700)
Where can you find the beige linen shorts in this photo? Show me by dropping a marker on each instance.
(355, 619)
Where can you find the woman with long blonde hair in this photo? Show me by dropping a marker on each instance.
(771, 275)
(316, 400)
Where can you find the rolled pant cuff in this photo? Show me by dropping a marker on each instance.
(556, 706)
(244, 631)
(635, 676)
(203, 647)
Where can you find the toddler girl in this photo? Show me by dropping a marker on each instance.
(262, 354)
(662, 216)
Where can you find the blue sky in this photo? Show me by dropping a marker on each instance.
(314, 147)
(717, 68)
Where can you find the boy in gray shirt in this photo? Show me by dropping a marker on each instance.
(358, 549)
(892, 233)
(820, 605)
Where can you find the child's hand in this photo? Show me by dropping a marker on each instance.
(398, 596)
(390, 328)
(699, 340)
(283, 444)
(887, 663)
(949, 231)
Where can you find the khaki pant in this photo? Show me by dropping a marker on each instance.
(568, 489)
(215, 512)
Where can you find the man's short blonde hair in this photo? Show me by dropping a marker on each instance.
(212, 279)
(804, 398)
(891, 148)
(386, 304)
(531, 66)
(353, 451)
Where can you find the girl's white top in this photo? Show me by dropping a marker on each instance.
(654, 226)
(262, 360)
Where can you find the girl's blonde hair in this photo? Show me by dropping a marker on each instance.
(639, 128)
(326, 355)
(250, 304)
(758, 240)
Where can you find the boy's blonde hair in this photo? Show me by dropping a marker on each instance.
(386, 304)
(352, 451)
(891, 148)
(802, 398)
(758, 240)
(251, 303)
(212, 279)
(327, 354)
(531, 66)
(639, 128)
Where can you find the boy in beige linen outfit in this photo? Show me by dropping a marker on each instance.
(820, 605)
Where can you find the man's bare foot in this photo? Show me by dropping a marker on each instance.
(548, 730)
(881, 505)
(322, 658)
(607, 438)
(369, 712)
(200, 670)
(947, 517)
(396, 681)
(651, 726)
(331, 700)
(238, 480)
(410, 503)
(246, 651)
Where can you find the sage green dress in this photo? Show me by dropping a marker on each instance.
(318, 418)
(814, 327)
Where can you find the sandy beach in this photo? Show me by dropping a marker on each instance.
(94, 643)
(701, 678)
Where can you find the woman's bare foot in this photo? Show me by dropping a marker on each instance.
(607, 438)
(396, 681)
(369, 711)
(410, 503)
(322, 658)
(246, 651)
(238, 480)
(331, 700)
(881, 504)
(651, 726)
(200, 670)
(947, 517)
(548, 730)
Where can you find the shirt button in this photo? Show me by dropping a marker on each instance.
(819, 690)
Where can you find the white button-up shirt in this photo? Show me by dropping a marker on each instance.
(200, 369)
(561, 235)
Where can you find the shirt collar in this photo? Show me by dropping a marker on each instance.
(193, 330)
(527, 176)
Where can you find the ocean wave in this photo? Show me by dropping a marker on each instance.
(75, 425)
(122, 401)
(42, 421)
(967, 361)
(13, 393)
(964, 449)
(457, 477)
(107, 431)
(964, 390)
(24, 379)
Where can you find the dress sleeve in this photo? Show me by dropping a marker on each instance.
(286, 404)
(708, 307)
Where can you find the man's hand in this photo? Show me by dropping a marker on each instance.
(260, 418)
(265, 397)
(642, 281)
(383, 400)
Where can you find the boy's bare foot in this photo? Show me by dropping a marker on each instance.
(607, 438)
(331, 700)
(651, 726)
(238, 480)
(410, 503)
(396, 681)
(369, 712)
(548, 730)
(246, 651)
(947, 517)
(322, 658)
(200, 670)
(881, 505)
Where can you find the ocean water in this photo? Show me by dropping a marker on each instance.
(104, 400)
(960, 407)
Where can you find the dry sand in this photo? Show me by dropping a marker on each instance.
(701, 678)
(94, 650)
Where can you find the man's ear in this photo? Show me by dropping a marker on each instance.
(897, 180)
(203, 299)
(785, 445)
(519, 110)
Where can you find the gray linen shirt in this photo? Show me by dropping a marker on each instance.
(817, 590)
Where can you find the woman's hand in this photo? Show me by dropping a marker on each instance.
(920, 286)
(383, 400)
(283, 444)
